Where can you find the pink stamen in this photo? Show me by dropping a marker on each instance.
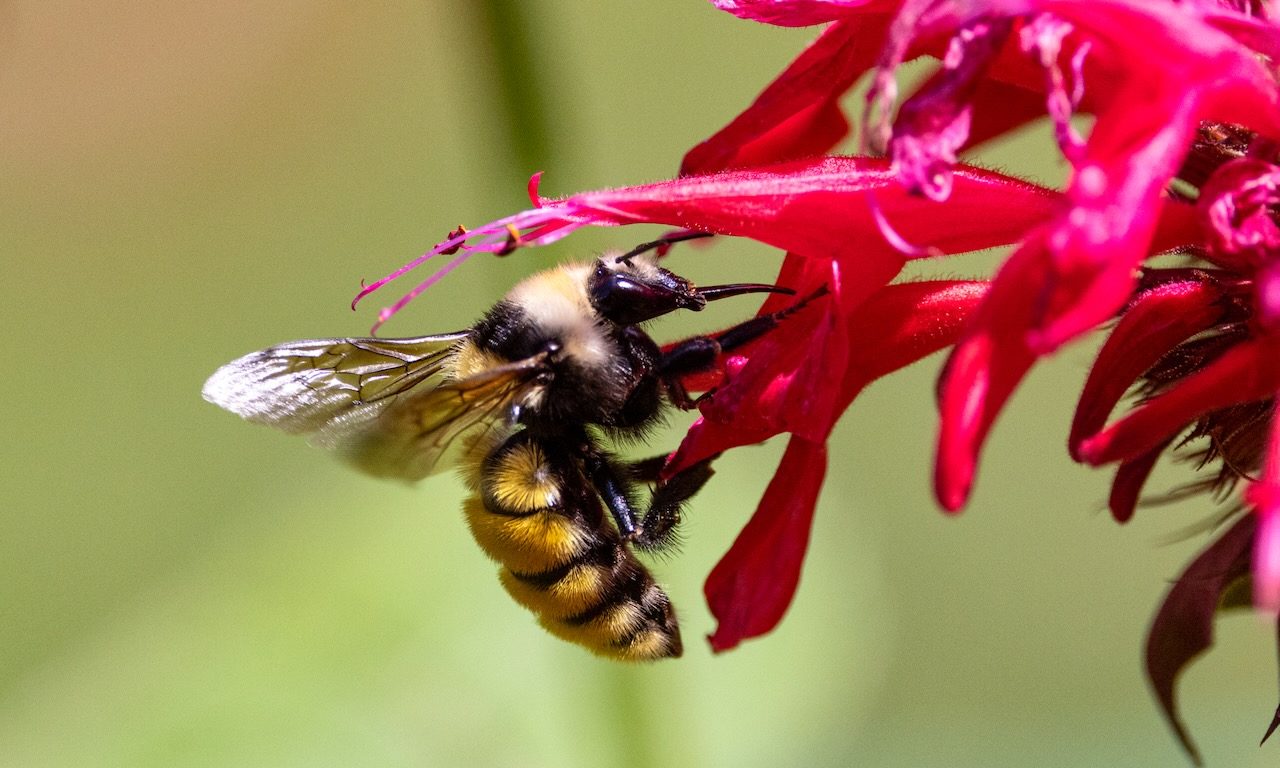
(892, 236)
(388, 312)
(536, 227)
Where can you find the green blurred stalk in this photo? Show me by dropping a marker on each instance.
(505, 30)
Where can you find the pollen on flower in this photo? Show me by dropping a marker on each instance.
(1092, 181)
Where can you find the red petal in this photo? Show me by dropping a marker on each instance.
(998, 350)
(1000, 107)
(982, 372)
(897, 326)
(1245, 373)
(1116, 198)
(706, 440)
(820, 209)
(1156, 321)
(801, 13)
(1131, 475)
(750, 589)
(905, 322)
(787, 384)
(1183, 627)
(798, 115)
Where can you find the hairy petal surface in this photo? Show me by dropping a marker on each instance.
(816, 209)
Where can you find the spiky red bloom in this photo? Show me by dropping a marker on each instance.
(1155, 75)
(1203, 346)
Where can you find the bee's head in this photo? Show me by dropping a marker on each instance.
(631, 289)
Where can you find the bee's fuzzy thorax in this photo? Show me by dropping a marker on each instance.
(556, 302)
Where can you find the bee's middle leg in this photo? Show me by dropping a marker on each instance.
(655, 528)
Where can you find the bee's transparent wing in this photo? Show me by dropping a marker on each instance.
(389, 406)
(432, 428)
(303, 386)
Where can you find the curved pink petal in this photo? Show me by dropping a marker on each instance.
(800, 13)
(1153, 96)
(751, 587)
(1247, 372)
(1264, 496)
(1155, 322)
(981, 373)
(1191, 46)
(987, 365)
(1115, 200)
(1183, 627)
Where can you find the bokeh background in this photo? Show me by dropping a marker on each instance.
(181, 183)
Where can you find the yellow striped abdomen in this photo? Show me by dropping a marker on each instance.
(535, 513)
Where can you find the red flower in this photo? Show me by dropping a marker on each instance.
(1173, 87)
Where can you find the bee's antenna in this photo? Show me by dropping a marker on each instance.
(666, 241)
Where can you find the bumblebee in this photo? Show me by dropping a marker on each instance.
(522, 403)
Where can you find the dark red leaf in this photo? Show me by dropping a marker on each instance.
(1183, 627)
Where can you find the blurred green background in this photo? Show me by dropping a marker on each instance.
(183, 183)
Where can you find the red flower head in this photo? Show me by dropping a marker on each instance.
(1179, 92)
(1203, 345)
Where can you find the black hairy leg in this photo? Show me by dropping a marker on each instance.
(655, 528)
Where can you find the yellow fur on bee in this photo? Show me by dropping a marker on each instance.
(520, 480)
(531, 543)
(470, 360)
(600, 632)
(576, 592)
(648, 645)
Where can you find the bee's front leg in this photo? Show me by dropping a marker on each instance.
(700, 353)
